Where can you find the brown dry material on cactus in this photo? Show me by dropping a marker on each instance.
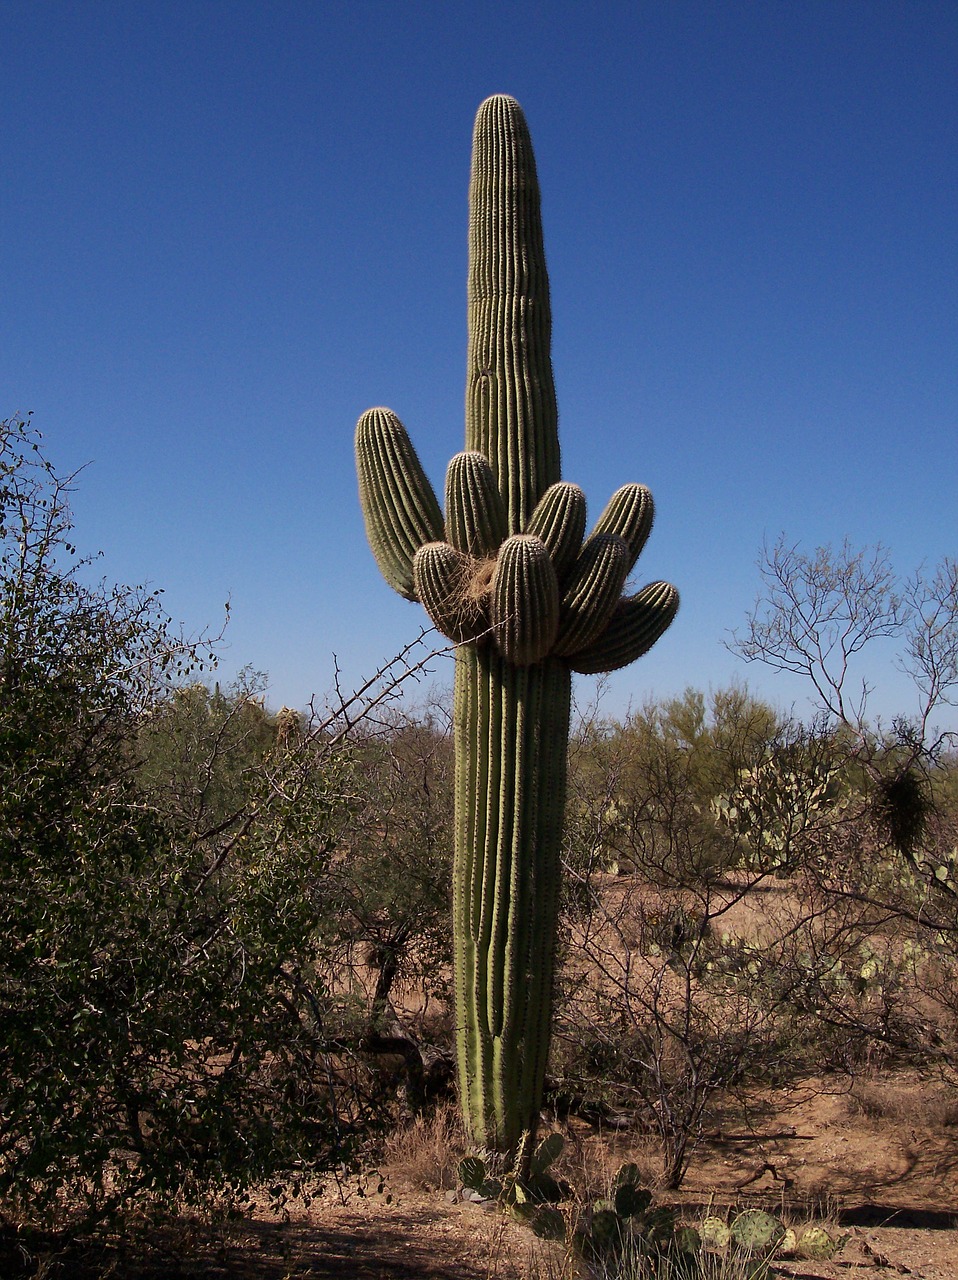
(526, 601)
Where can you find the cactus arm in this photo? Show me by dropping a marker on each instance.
(525, 600)
(628, 514)
(476, 521)
(637, 623)
(442, 578)
(594, 588)
(559, 520)
(398, 503)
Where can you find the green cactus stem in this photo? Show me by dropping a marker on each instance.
(756, 1231)
(559, 520)
(475, 515)
(511, 413)
(595, 585)
(399, 506)
(507, 577)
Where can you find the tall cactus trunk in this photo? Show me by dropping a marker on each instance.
(511, 734)
(507, 577)
(511, 722)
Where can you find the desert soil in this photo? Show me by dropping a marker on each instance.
(880, 1163)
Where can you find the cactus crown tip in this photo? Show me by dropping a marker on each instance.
(496, 102)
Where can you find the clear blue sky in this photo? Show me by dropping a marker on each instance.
(229, 227)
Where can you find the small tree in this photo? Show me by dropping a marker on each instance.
(672, 995)
(707, 951)
(887, 851)
(202, 749)
(817, 612)
(170, 1027)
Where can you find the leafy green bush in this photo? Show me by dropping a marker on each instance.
(170, 1030)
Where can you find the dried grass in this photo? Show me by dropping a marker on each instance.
(887, 1101)
(425, 1153)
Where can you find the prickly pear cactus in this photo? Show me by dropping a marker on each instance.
(756, 1231)
(816, 1242)
(508, 575)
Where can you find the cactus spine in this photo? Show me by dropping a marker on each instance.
(508, 577)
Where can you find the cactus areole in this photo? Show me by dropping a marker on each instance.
(509, 576)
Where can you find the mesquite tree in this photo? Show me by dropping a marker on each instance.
(510, 578)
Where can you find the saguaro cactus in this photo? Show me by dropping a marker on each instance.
(508, 577)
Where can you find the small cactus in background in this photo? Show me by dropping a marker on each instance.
(535, 1183)
(508, 575)
(617, 1234)
(628, 1235)
(754, 1239)
(816, 1242)
(756, 1231)
(772, 805)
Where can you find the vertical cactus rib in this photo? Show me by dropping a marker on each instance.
(511, 413)
(476, 521)
(470, 838)
(507, 576)
(398, 503)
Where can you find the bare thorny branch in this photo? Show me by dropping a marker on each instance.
(817, 612)
(329, 729)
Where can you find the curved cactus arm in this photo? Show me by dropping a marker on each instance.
(593, 591)
(398, 503)
(559, 520)
(444, 580)
(476, 522)
(636, 624)
(511, 413)
(628, 514)
(525, 600)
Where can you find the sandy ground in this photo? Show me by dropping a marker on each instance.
(880, 1163)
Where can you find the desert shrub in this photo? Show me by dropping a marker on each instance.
(663, 1012)
(425, 1152)
(170, 1029)
(396, 862)
(642, 793)
(202, 751)
(720, 935)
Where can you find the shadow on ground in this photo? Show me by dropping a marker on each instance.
(401, 1249)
